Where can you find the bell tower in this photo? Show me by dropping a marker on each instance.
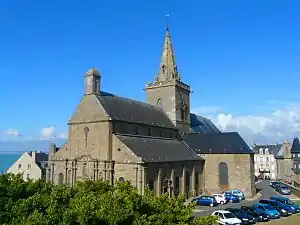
(92, 82)
(168, 91)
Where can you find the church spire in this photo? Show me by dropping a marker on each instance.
(168, 68)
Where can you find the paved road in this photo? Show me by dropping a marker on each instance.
(265, 190)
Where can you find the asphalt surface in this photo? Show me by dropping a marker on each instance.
(263, 188)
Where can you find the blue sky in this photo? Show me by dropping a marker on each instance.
(241, 58)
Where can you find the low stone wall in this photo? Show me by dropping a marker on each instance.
(295, 191)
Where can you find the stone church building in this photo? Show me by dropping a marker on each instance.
(158, 144)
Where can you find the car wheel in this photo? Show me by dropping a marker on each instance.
(222, 203)
(231, 200)
(211, 205)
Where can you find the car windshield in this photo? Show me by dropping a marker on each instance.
(268, 207)
(228, 215)
(284, 187)
(289, 202)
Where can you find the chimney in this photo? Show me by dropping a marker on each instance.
(33, 155)
(52, 150)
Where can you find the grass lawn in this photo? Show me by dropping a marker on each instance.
(291, 220)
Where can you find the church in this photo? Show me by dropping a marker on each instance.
(157, 144)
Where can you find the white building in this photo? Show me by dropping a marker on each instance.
(264, 160)
(31, 165)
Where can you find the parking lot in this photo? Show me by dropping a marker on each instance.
(264, 190)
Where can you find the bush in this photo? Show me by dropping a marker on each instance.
(89, 203)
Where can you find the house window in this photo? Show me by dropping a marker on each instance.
(267, 151)
(267, 159)
(27, 176)
(261, 151)
(20, 166)
(272, 167)
(294, 155)
(298, 166)
(29, 166)
(255, 166)
(298, 155)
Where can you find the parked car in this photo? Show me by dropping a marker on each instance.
(282, 208)
(206, 201)
(231, 198)
(273, 183)
(225, 217)
(286, 201)
(238, 193)
(266, 209)
(259, 217)
(221, 199)
(242, 215)
(284, 190)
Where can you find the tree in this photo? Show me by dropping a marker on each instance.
(89, 203)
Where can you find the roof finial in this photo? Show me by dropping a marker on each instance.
(167, 21)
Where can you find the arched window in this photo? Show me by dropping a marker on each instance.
(70, 176)
(223, 175)
(84, 170)
(121, 179)
(159, 102)
(261, 151)
(151, 185)
(86, 132)
(60, 178)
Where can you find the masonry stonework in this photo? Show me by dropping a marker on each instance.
(240, 172)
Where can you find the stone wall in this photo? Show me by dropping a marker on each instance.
(284, 169)
(240, 172)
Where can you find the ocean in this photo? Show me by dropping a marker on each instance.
(7, 160)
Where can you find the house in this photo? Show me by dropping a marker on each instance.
(295, 151)
(264, 160)
(32, 165)
(284, 162)
(157, 143)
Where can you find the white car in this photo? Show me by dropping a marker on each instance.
(226, 218)
(220, 198)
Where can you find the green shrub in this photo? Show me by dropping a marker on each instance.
(89, 203)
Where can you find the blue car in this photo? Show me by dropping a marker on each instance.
(282, 208)
(286, 201)
(266, 209)
(231, 198)
(206, 201)
(238, 193)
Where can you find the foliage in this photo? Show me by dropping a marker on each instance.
(89, 203)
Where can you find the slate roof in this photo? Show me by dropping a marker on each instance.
(158, 149)
(41, 159)
(295, 146)
(217, 143)
(273, 149)
(200, 124)
(119, 108)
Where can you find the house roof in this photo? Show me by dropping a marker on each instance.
(217, 143)
(123, 109)
(273, 149)
(295, 146)
(200, 124)
(41, 158)
(158, 149)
